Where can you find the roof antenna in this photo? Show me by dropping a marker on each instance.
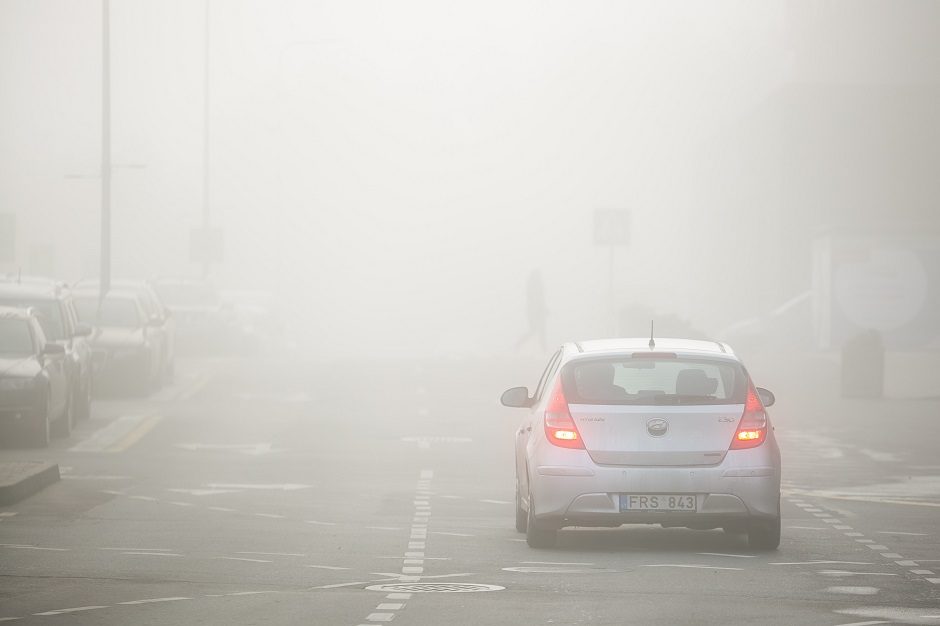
(652, 341)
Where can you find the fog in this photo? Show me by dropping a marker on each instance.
(394, 171)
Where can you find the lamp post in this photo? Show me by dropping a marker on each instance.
(105, 278)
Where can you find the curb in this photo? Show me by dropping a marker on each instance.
(32, 477)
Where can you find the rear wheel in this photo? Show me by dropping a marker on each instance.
(83, 401)
(536, 534)
(62, 427)
(37, 429)
(764, 534)
(522, 520)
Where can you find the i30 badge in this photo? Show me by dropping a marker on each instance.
(657, 427)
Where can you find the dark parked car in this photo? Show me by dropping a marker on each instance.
(34, 384)
(126, 349)
(162, 324)
(52, 303)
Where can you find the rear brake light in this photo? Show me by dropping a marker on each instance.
(752, 429)
(560, 429)
(653, 355)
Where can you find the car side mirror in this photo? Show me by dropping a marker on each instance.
(82, 330)
(517, 397)
(53, 348)
(766, 396)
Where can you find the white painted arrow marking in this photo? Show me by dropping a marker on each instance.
(251, 449)
(262, 486)
(203, 492)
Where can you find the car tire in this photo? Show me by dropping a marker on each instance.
(536, 534)
(37, 429)
(62, 427)
(764, 534)
(522, 517)
(83, 401)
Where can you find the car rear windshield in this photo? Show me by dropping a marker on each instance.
(654, 381)
(15, 337)
(114, 312)
(48, 312)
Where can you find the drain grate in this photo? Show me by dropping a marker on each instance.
(436, 587)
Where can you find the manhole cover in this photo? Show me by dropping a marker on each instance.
(436, 587)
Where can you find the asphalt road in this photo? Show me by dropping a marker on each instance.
(265, 492)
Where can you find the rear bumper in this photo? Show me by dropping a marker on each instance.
(746, 485)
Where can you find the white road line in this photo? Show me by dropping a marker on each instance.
(854, 591)
(738, 569)
(842, 527)
(552, 563)
(906, 563)
(823, 563)
(138, 549)
(840, 572)
(9, 619)
(330, 567)
(896, 532)
(808, 527)
(496, 501)
(380, 617)
(73, 610)
(8, 514)
(238, 558)
(878, 547)
(865, 540)
(249, 593)
(740, 556)
(152, 553)
(269, 515)
(273, 553)
(922, 572)
(313, 521)
(21, 547)
(455, 534)
(154, 600)
(180, 503)
(398, 596)
(865, 623)
(891, 555)
(382, 528)
(854, 534)
(144, 498)
(224, 509)
(389, 606)
(935, 581)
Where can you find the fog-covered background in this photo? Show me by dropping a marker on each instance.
(394, 171)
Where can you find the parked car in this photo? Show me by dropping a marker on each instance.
(161, 325)
(53, 304)
(632, 431)
(126, 349)
(34, 383)
(204, 322)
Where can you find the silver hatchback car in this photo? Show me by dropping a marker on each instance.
(632, 431)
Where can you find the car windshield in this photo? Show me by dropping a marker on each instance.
(187, 294)
(48, 312)
(15, 337)
(655, 381)
(114, 312)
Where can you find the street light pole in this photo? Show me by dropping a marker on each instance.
(205, 147)
(105, 278)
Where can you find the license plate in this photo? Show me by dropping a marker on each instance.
(656, 502)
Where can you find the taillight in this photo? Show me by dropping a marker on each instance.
(559, 425)
(752, 429)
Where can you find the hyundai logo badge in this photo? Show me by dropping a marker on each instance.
(657, 427)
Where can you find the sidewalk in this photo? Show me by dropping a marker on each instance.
(21, 479)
